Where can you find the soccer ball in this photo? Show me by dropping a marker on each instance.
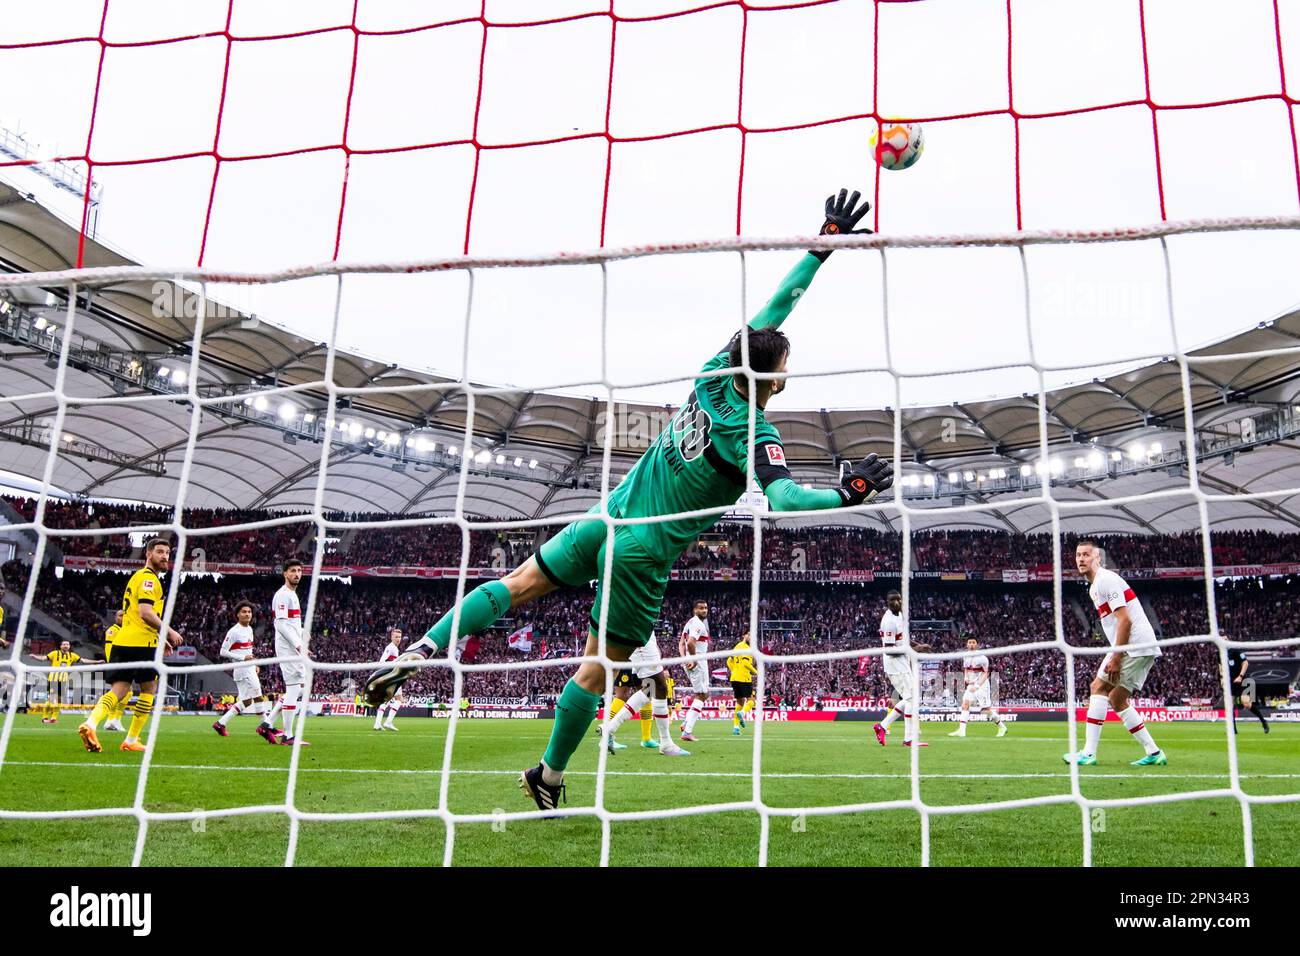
(897, 145)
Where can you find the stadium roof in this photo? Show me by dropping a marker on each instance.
(246, 457)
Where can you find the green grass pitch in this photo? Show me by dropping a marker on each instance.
(352, 768)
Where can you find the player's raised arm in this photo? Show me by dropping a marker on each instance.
(841, 217)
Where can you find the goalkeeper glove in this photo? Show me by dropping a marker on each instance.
(841, 217)
(865, 480)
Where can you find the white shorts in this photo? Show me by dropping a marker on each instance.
(699, 674)
(647, 658)
(901, 679)
(1132, 673)
(293, 672)
(978, 699)
(247, 684)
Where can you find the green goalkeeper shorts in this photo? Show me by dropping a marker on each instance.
(637, 581)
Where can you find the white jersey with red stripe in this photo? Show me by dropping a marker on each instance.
(697, 671)
(238, 646)
(1108, 592)
(697, 631)
(892, 635)
(976, 668)
(391, 653)
(288, 622)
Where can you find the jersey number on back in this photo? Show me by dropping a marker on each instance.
(691, 430)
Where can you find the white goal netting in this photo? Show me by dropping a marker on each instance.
(868, 253)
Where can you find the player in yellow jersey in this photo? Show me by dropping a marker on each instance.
(57, 684)
(114, 721)
(743, 670)
(135, 643)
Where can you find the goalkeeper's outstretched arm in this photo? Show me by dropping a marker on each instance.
(841, 217)
(863, 482)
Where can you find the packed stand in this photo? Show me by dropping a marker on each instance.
(729, 545)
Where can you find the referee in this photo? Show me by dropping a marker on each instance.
(1242, 692)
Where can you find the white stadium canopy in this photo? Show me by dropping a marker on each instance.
(539, 454)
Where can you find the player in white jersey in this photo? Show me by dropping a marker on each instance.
(648, 670)
(394, 704)
(695, 640)
(1123, 671)
(977, 693)
(894, 637)
(289, 642)
(249, 699)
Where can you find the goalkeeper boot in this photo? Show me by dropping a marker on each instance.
(545, 795)
(90, 738)
(1081, 758)
(1157, 759)
(384, 683)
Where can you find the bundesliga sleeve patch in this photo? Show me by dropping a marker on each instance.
(775, 455)
(146, 585)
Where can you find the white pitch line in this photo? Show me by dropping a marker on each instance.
(667, 773)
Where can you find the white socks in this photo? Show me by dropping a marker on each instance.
(289, 707)
(1097, 707)
(697, 708)
(893, 715)
(1134, 724)
(660, 711)
(902, 709)
(274, 712)
(234, 710)
(632, 706)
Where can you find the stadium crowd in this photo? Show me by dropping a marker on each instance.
(349, 621)
(728, 545)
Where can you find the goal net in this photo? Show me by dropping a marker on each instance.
(1022, 120)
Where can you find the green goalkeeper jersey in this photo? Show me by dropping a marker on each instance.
(701, 459)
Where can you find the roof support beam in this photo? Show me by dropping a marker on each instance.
(1273, 510)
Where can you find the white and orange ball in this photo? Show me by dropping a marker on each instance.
(897, 145)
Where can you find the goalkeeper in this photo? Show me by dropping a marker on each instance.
(698, 462)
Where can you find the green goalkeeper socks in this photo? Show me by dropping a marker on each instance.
(480, 608)
(574, 712)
